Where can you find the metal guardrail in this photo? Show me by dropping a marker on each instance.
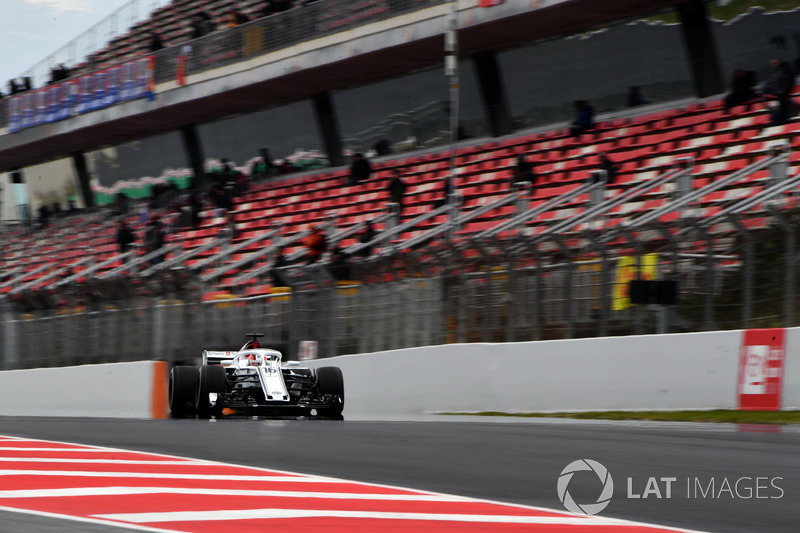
(180, 259)
(24, 275)
(131, 266)
(623, 197)
(695, 195)
(95, 268)
(459, 220)
(333, 240)
(522, 218)
(55, 273)
(282, 30)
(216, 258)
(386, 236)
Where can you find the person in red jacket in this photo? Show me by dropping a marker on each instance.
(316, 243)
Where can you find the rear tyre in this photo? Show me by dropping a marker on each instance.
(330, 384)
(210, 379)
(182, 391)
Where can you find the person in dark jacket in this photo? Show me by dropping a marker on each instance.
(367, 235)
(741, 89)
(125, 237)
(154, 239)
(610, 167)
(360, 169)
(397, 190)
(584, 118)
(780, 87)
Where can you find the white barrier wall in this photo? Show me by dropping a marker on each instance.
(119, 390)
(679, 371)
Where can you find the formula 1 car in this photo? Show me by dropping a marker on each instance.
(253, 381)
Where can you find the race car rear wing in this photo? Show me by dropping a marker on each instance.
(218, 358)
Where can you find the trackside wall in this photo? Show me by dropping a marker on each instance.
(118, 390)
(677, 371)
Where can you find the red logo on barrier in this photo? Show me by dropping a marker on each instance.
(761, 369)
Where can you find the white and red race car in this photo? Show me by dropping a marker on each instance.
(254, 381)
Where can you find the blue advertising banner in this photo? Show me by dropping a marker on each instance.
(90, 92)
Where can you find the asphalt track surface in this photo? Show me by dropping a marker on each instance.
(506, 460)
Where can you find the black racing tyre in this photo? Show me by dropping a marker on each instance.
(182, 391)
(330, 382)
(210, 379)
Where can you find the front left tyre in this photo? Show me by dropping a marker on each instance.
(330, 386)
(210, 380)
(182, 391)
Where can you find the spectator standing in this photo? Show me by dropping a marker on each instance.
(339, 266)
(610, 167)
(448, 189)
(263, 165)
(154, 239)
(780, 87)
(278, 279)
(125, 236)
(221, 199)
(44, 216)
(316, 243)
(195, 206)
(156, 43)
(397, 190)
(635, 97)
(235, 18)
(360, 169)
(366, 236)
(584, 118)
(523, 171)
(741, 89)
(201, 24)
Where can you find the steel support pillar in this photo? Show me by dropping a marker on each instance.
(701, 48)
(194, 153)
(82, 170)
(328, 126)
(493, 93)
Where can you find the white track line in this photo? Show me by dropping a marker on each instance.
(256, 514)
(97, 521)
(24, 449)
(227, 493)
(157, 475)
(98, 461)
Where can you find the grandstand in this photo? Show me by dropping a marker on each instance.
(699, 195)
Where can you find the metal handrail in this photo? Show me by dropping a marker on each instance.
(619, 199)
(23, 275)
(297, 254)
(94, 268)
(387, 235)
(536, 211)
(138, 261)
(233, 249)
(219, 271)
(746, 203)
(179, 259)
(51, 275)
(699, 193)
(466, 217)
